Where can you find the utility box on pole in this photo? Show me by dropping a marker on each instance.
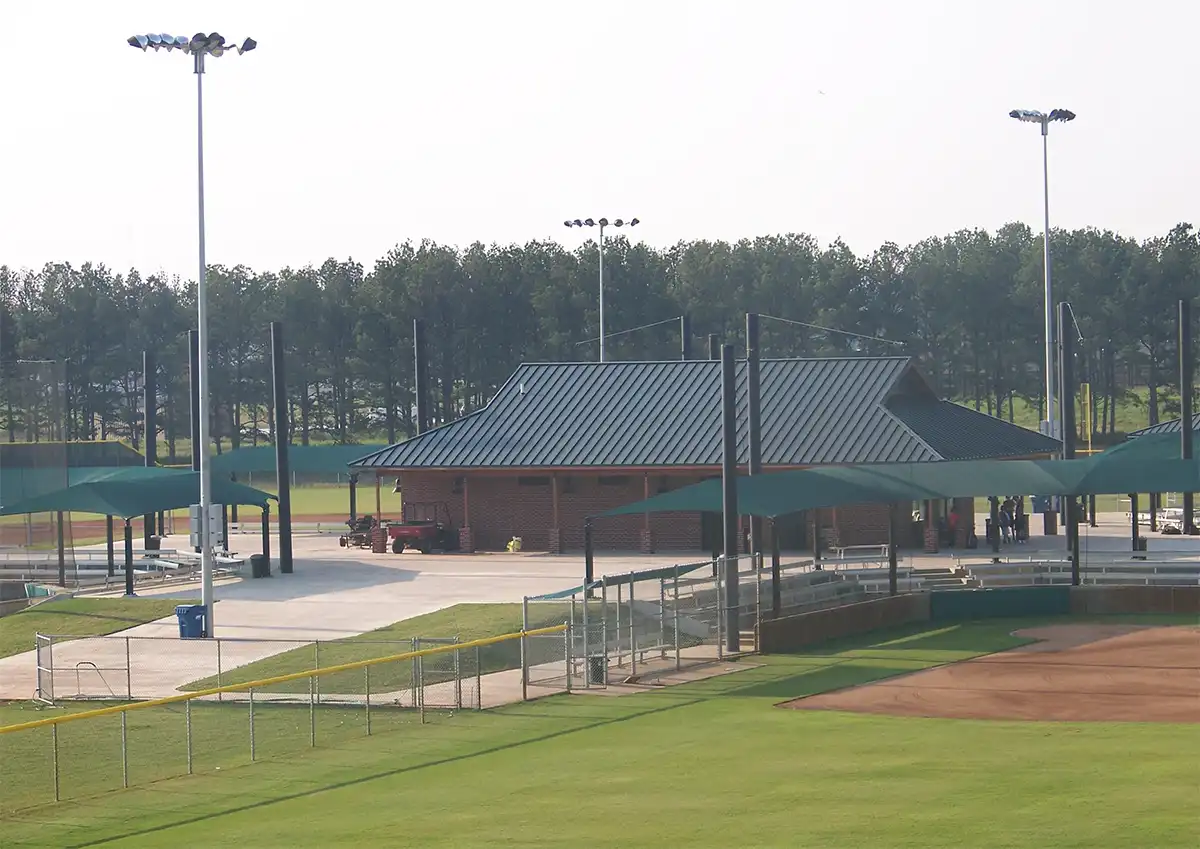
(216, 525)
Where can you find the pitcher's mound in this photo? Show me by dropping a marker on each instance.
(1075, 673)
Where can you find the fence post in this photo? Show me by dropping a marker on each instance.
(587, 649)
(618, 627)
(676, 615)
(524, 649)
(252, 725)
(632, 631)
(457, 675)
(187, 718)
(312, 712)
(367, 690)
(758, 567)
(478, 680)
(413, 643)
(54, 744)
(720, 608)
(125, 749)
(316, 682)
(662, 618)
(604, 623)
(220, 697)
(567, 647)
(128, 674)
(421, 682)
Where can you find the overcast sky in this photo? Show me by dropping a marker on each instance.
(357, 125)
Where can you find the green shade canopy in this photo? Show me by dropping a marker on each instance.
(782, 493)
(136, 491)
(1152, 446)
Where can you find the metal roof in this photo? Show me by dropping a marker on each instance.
(1167, 427)
(667, 414)
(956, 432)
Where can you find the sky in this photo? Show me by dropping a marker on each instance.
(358, 125)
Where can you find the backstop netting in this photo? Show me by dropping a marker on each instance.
(37, 547)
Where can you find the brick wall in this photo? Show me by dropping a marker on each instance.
(502, 506)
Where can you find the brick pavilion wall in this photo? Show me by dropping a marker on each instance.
(503, 506)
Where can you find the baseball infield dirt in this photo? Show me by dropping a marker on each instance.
(1081, 673)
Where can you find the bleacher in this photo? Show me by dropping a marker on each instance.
(1103, 568)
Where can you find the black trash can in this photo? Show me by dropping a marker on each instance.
(1141, 544)
(596, 668)
(260, 566)
(191, 621)
(154, 544)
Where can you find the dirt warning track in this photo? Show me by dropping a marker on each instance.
(1115, 673)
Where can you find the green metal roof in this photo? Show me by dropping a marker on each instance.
(667, 414)
(1172, 426)
(305, 459)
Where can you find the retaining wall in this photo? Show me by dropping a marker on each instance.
(999, 602)
(789, 633)
(1135, 599)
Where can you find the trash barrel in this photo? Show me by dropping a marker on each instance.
(596, 668)
(154, 544)
(191, 621)
(260, 566)
(1141, 544)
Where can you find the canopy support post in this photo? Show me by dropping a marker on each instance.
(108, 539)
(733, 637)
(1135, 529)
(1187, 381)
(994, 535)
(892, 558)
(353, 497)
(282, 440)
(128, 558)
(62, 551)
(776, 589)
(266, 533)
(1066, 402)
(589, 558)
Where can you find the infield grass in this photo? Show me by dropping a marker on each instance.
(712, 763)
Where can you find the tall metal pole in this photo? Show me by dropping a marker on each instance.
(1187, 381)
(685, 337)
(206, 554)
(150, 428)
(194, 394)
(753, 414)
(601, 293)
(1049, 302)
(129, 558)
(714, 346)
(1066, 348)
(282, 441)
(729, 500)
(419, 375)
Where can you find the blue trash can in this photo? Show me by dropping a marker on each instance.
(191, 621)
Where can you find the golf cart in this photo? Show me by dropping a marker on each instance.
(426, 526)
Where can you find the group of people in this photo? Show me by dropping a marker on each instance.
(1014, 522)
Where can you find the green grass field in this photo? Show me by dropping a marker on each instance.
(713, 763)
(84, 617)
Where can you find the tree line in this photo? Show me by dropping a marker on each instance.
(967, 305)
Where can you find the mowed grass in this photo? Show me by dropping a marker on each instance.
(712, 763)
(82, 617)
(465, 621)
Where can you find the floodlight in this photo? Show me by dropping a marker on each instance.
(1030, 115)
(138, 41)
(589, 222)
(1062, 115)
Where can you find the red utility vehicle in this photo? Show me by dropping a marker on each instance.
(426, 527)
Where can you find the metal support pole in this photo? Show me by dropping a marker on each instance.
(187, 720)
(266, 534)
(54, 756)
(662, 617)
(62, 549)
(685, 337)
(419, 382)
(753, 420)
(567, 653)
(601, 245)
(675, 613)
(1067, 416)
(125, 749)
(129, 559)
(776, 588)
(587, 647)
(128, 673)
(206, 549)
(252, 725)
(317, 665)
(478, 679)
(110, 548)
(730, 495)
(1187, 382)
(353, 497)
(219, 670)
(618, 627)
(149, 429)
(632, 631)
(1135, 528)
(589, 559)
(1048, 307)
(994, 502)
(312, 712)
(714, 346)
(283, 476)
(893, 577)
(524, 648)
(367, 691)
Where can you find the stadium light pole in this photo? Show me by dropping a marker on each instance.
(198, 47)
(1044, 120)
(602, 223)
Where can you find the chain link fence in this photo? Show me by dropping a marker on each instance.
(66, 754)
